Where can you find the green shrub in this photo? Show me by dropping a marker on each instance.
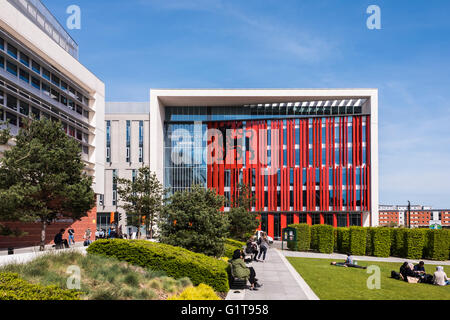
(177, 262)
(343, 238)
(303, 236)
(381, 241)
(235, 243)
(231, 246)
(324, 238)
(437, 244)
(369, 241)
(14, 288)
(414, 242)
(399, 244)
(335, 232)
(202, 292)
(357, 241)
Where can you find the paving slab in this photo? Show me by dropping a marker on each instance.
(279, 279)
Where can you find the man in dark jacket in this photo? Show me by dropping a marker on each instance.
(59, 241)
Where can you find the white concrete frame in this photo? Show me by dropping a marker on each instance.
(25, 31)
(160, 98)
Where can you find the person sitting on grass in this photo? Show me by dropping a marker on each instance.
(241, 271)
(349, 262)
(440, 277)
(420, 268)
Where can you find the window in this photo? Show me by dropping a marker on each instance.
(11, 118)
(79, 135)
(63, 100)
(55, 80)
(45, 88)
(128, 140)
(12, 51)
(24, 108)
(2, 99)
(12, 68)
(55, 95)
(141, 141)
(114, 187)
(36, 83)
(2, 44)
(24, 59)
(71, 104)
(63, 85)
(86, 114)
(79, 97)
(25, 76)
(79, 109)
(11, 102)
(36, 67)
(108, 141)
(35, 113)
(2, 62)
(46, 74)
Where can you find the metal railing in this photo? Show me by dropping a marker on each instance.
(38, 13)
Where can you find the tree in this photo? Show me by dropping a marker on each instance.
(243, 221)
(192, 219)
(42, 178)
(142, 199)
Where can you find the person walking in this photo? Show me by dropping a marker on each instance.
(71, 233)
(263, 247)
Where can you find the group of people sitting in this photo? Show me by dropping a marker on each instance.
(416, 274)
(241, 262)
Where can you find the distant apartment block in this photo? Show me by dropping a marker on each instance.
(421, 216)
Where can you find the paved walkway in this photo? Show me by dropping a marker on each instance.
(280, 281)
(26, 257)
(337, 256)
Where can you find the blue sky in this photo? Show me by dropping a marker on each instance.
(135, 45)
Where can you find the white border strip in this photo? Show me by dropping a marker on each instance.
(306, 289)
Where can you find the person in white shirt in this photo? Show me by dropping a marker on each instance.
(440, 277)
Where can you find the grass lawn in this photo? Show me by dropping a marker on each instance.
(339, 283)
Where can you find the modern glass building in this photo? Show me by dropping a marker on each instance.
(308, 155)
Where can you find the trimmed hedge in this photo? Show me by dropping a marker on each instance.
(303, 236)
(177, 262)
(314, 244)
(398, 244)
(12, 287)
(381, 241)
(343, 238)
(324, 238)
(369, 241)
(414, 243)
(437, 246)
(357, 241)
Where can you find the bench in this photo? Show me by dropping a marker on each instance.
(236, 283)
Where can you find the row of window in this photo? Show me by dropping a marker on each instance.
(128, 141)
(43, 86)
(34, 66)
(26, 110)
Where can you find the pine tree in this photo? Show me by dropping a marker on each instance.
(243, 221)
(142, 199)
(192, 219)
(42, 178)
